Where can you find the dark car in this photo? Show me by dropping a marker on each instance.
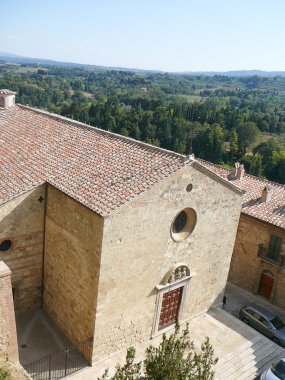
(265, 322)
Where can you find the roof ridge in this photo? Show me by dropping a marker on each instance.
(246, 174)
(103, 131)
(221, 179)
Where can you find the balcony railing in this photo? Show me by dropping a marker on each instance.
(263, 253)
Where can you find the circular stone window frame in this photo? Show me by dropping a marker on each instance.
(191, 221)
(9, 241)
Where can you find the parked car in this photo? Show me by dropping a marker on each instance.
(276, 371)
(265, 322)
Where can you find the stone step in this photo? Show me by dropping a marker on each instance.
(249, 369)
(276, 355)
(262, 351)
(250, 362)
(258, 340)
(255, 360)
(252, 372)
(244, 352)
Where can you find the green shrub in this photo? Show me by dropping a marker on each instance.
(4, 374)
(175, 358)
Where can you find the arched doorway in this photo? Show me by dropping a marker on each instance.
(266, 284)
(171, 295)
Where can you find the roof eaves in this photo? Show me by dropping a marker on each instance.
(71, 195)
(20, 193)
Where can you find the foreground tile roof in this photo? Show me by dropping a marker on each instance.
(99, 169)
(4, 91)
(272, 211)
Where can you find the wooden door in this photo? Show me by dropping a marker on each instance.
(266, 284)
(170, 308)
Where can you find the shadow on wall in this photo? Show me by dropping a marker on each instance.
(21, 236)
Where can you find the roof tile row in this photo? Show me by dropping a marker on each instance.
(101, 170)
(272, 211)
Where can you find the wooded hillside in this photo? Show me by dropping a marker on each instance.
(218, 118)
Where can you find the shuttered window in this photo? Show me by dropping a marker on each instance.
(274, 247)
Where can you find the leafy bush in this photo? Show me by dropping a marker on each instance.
(4, 374)
(174, 359)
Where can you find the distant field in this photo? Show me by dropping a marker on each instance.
(88, 95)
(193, 98)
(266, 137)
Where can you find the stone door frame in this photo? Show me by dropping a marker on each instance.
(165, 287)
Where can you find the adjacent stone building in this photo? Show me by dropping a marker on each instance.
(258, 262)
(115, 239)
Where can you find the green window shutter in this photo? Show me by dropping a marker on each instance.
(274, 247)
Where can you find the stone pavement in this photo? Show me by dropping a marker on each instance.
(38, 336)
(243, 353)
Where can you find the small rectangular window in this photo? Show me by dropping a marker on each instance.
(274, 247)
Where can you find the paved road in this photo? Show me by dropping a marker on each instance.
(237, 297)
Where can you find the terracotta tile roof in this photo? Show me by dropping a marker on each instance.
(99, 169)
(272, 211)
(4, 91)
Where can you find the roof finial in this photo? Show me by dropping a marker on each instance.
(189, 158)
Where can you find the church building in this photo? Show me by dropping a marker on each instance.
(114, 239)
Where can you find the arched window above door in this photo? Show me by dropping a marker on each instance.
(176, 273)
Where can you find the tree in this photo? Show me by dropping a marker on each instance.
(247, 134)
(266, 149)
(253, 164)
(233, 146)
(179, 135)
(208, 142)
(275, 168)
(174, 359)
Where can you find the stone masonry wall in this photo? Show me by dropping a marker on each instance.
(22, 222)
(73, 241)
(8, 335)
(138, 251)
(246, 267)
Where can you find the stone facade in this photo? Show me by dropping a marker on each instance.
(9, 355)
(73, 239)
(104, 278)
(8, 335)
(246, 267)
(22, 222)
(138, 251)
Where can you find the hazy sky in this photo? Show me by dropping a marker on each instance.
(151, 34)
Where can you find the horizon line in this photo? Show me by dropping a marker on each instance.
(123, 68)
